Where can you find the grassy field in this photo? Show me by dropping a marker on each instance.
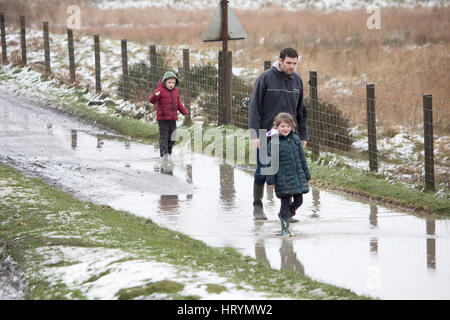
(371, 186)
(406, 58)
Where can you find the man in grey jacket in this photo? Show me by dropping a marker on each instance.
(279, 89)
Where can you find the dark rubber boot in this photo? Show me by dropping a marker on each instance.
(258, 210)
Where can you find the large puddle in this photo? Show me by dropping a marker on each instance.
(368, 248)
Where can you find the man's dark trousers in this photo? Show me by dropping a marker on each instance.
(258, 178)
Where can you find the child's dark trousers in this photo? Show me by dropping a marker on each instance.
(287, 206)
(166, 129)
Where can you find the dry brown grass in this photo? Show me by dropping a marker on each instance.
(408, 57)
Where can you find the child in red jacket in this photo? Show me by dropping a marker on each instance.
(168, 104)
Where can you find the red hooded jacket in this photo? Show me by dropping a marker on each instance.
(167, 103)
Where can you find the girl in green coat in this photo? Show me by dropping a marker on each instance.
(291, 179)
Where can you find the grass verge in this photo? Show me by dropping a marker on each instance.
(376, 187)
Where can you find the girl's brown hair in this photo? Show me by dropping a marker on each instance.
(284, 117)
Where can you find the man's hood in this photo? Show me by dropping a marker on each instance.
(276, 65)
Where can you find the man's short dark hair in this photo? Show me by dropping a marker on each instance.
(288, 52)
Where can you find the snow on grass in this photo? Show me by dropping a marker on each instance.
(12, 285)
(8, 191)
(101, 273)
(404, 152)
(403, 146)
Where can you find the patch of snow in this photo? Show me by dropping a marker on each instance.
(12, 285)
(6, 191)
(100, 273)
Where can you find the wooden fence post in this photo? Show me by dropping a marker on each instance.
(23, 41)
(229, 90)
(71, 56)
(98, 78)
(314, 132)
(187, 86)
(224, 90)
(46, 49)
(125, 69)
(220, 89)
(372, 128)
(2, 27)
(428, 141)
(153, 66)
(267, 65)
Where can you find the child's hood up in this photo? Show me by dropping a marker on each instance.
(168, 75)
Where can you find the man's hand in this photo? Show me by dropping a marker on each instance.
(255, 143)
(304, 142)
(270, 186)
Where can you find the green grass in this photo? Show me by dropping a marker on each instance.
(215, 288)
(34, 210)
(123, 125)
(376, 187)
(98, 276)
(164, 286)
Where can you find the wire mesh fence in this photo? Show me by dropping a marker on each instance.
(397, 133)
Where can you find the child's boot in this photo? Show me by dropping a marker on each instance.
(285, 227)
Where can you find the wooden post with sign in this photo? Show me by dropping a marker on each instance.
(224, 26)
